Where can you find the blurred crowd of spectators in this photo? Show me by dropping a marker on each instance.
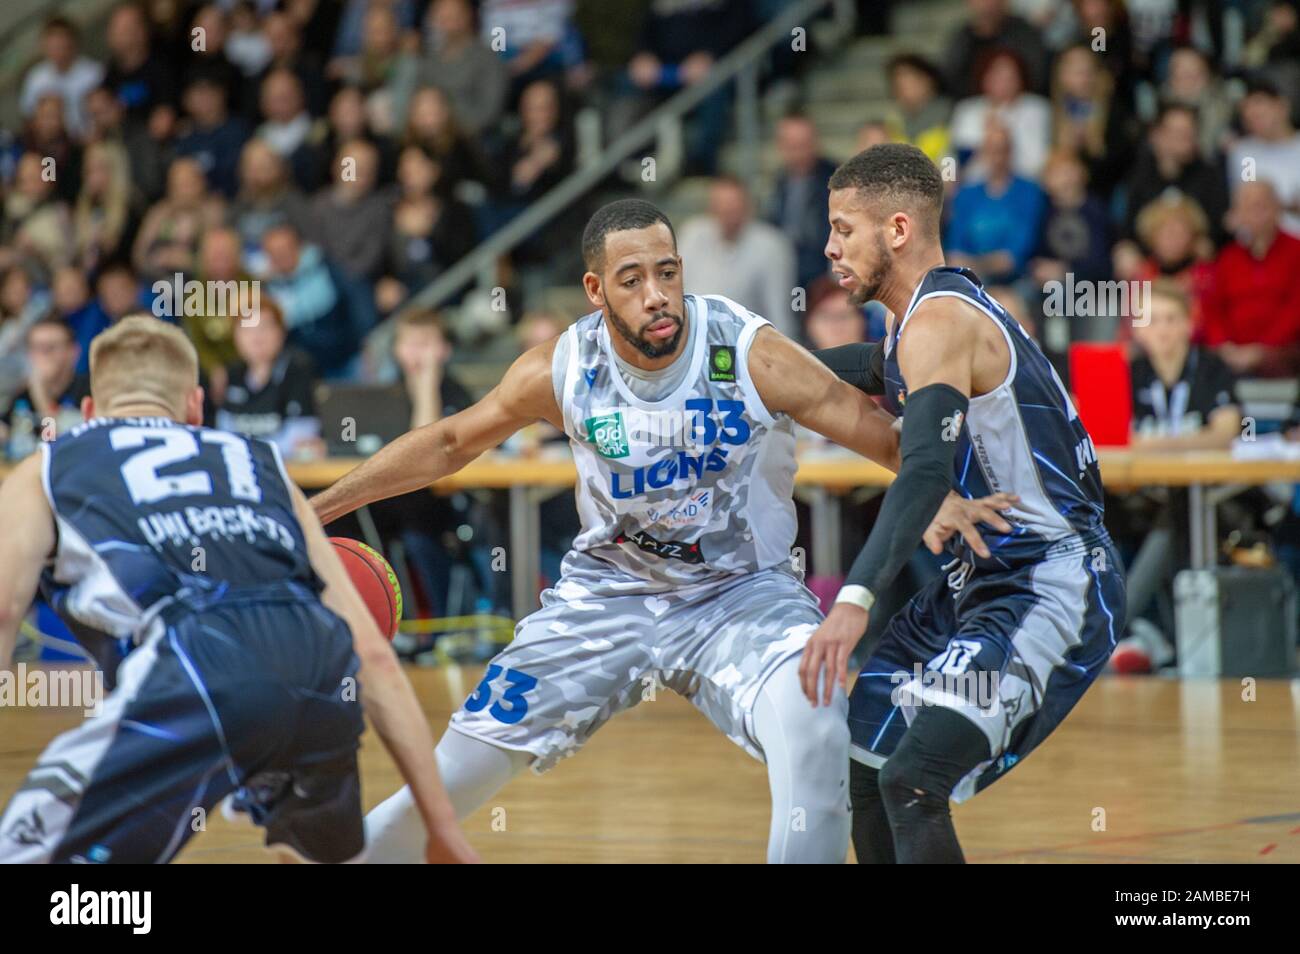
(342, 153)
(338, 156)
(346, 153)
(1085, 143)
(1094, 140)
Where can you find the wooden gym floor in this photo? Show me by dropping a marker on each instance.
(1183, 771)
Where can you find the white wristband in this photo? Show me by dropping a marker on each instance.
(859, 596)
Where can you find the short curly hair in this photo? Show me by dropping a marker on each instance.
(619, 216)
(893, 177)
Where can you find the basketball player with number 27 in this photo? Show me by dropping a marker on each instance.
(682, 574)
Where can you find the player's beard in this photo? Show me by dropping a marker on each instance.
(871, 284)
(636, 339)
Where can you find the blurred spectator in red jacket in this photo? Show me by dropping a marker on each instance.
(1252, 312)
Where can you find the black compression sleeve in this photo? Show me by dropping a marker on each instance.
(861, 365)
(929, 444)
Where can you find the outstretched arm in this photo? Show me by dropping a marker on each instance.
(387, 695)
(937, 366)
(418, 458)
(937, 363)
(840, 410)
(25, 545)
(861, 364)
(790, 380)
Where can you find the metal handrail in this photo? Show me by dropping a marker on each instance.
(744, 59)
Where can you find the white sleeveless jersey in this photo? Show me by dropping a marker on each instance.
(692, 488)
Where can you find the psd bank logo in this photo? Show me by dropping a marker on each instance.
(609, 434)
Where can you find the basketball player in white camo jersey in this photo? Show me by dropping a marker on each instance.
(680, 410)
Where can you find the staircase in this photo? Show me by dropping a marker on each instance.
(846, 88)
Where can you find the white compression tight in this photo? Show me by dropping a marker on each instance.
(472, 772)
(807, 752)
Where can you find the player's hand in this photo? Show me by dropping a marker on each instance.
(448, 846)
(959, 515)
(829, 649)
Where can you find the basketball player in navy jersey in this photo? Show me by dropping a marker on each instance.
(197, 574)
(988, 659)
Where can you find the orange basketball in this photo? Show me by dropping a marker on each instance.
(374, 580)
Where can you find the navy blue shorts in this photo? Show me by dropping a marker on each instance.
(253, 693)
(1013, 650)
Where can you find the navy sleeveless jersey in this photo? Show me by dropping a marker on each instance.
(1024, 437)
(146, 508)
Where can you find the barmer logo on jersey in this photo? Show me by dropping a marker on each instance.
(609, 434)
(722, 363)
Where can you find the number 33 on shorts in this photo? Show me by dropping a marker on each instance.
(512, 706)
